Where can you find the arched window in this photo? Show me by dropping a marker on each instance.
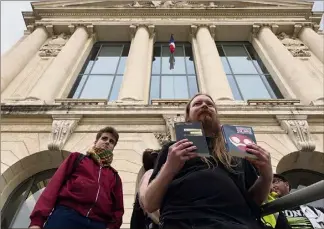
(300, 178)
(21, 202)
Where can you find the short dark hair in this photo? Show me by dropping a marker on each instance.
(149, 158)
(110, 130)
(282, 178)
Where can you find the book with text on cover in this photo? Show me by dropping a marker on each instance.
(193, 132)
(236, 138)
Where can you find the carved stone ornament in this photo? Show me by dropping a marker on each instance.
(163, 137)
(53, 47)
(298, 131)
(61, 131)
(294, 45)
(171, 119)
(172, 4)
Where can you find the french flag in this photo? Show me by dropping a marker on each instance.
(172, 50)
(172, 44)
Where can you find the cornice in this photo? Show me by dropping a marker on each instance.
(223, 12)
(142, 110)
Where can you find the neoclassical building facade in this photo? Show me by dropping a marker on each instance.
(82, 65)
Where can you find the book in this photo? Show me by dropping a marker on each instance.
(194, 132)
(236, 138)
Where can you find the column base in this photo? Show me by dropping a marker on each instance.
(25, 101)
(129, 100)
(225, 100)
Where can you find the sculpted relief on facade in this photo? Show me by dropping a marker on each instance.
(53, 47)
(294, 45)
(62, 128)
(172, 4)
(298, 131)
(163, 137)
(169, 135)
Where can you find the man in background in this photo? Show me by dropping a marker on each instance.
(302, 217)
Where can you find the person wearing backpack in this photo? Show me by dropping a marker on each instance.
(214, 192)
(85, 191)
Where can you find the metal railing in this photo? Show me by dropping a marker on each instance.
(303, 196)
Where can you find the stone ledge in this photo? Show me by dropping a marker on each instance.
(170, 102)
(273, 102)
(82, 102)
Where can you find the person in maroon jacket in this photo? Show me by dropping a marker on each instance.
(92, 197)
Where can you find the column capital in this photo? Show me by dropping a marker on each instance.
(47, 26)
(89, 27)
(212, 30)
(50, 30)
(210, 27)
(193, 30)
(256, 28)
(316, 27)
(297, 29)
(30, 28)
(313, 26)
(150, 28)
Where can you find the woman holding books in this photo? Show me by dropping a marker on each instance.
(215, 192)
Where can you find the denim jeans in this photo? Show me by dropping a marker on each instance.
(66, 218)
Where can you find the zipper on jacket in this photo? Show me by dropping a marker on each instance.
(97, 193)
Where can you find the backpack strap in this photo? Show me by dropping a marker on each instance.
(75, 165)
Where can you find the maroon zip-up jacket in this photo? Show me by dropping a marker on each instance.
(92, 191)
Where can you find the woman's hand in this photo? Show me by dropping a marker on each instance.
(178, 154)
(263, 161)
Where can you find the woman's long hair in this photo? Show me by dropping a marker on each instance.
(219, 149)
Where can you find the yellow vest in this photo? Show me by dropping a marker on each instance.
(271, 220)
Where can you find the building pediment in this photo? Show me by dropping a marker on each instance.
(171, 4)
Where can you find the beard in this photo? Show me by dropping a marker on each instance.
(210, 123)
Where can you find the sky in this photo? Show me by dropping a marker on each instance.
(13, 26)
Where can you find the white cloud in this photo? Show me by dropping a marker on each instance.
(12, 22)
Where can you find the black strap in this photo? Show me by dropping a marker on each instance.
(75, 165)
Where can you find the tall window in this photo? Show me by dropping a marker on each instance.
(102, 74)
(20, 204)
(246, 74)
(177, 83)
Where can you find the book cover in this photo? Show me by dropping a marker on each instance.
(236, 138)
(193, 132)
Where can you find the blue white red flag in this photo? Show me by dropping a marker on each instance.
(172, 50)
(172, 44)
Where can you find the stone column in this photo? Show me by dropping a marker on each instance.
(314, 41)
(15, 61)
(53, 78)
(215, 79)
(306, 87)
(136, 76)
